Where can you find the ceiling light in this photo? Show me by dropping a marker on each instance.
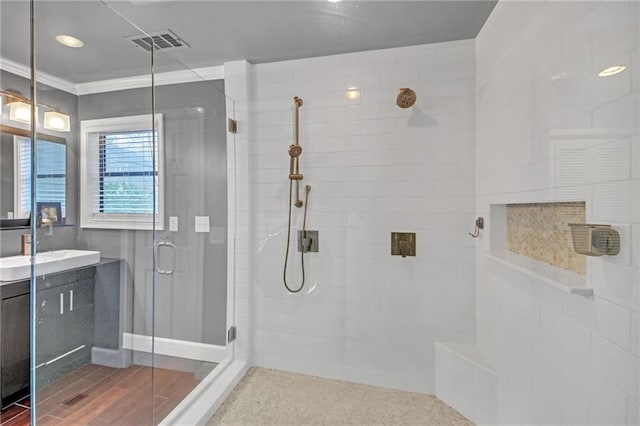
(69, 41)
(335, 1)
(20, 112)
(54, 120)
(352, 93)
(608, 72)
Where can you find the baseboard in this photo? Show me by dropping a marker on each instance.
(175, 348)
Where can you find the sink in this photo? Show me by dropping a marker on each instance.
(14, 268)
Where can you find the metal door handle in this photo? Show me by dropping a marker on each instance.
(166, 244)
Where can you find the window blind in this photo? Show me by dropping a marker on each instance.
(126, 178)
(51, 178)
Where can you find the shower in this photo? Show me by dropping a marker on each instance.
(295, 150)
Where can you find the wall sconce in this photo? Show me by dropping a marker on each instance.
(54, 120)
(20, 112)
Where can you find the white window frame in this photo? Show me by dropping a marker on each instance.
(90, 219)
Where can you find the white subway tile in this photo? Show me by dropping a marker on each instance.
(635, 334)
(613, 322)
(633, 412)
(618, 283)
(607, 399)
(569, 333)
(618, 118)
(634, 64)
(456, 52)
(617, 365)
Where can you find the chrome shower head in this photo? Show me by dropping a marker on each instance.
(295, 150)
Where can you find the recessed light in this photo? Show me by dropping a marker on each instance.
(608, 72)
(69, 41)
(352, 93)
(335, 1)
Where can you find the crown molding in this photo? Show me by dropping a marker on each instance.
(161, 79)
(112, 85)
(42, 77)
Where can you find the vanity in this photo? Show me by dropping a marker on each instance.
(69, 322)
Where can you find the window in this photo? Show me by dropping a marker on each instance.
(121, 183)
(51, 176)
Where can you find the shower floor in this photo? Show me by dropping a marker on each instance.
(96, 395)
(269, 397)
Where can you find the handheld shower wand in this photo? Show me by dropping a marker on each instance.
(295, 150)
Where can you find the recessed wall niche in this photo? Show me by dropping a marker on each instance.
(541, 231)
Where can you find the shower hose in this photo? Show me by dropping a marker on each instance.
(304, 235)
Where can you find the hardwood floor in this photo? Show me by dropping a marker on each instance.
(96, 395)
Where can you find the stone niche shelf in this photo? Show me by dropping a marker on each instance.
(526, 267)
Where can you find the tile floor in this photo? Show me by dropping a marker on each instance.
(269, 397)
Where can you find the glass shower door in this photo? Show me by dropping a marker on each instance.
(190, 278)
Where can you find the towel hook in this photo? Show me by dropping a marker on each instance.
(479, 226)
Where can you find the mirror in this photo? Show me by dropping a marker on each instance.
(15, 174)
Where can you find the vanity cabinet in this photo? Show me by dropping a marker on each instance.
(64, 329)
(64, 320)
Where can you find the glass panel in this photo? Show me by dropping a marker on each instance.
(15, 126)
(88, 305)
(191, 275)
(126, 316)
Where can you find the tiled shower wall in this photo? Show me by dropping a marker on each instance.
(374, 168)
(548, 130)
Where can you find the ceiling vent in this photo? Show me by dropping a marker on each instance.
(163, 40)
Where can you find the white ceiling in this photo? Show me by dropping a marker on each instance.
(219, 31)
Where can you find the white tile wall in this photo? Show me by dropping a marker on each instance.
(466, 382)
(549, 129)
(374, 168)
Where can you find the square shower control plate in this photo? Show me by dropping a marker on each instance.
(308, 244)
(403, 244)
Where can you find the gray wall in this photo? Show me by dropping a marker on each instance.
(63, 237)
(191, 304)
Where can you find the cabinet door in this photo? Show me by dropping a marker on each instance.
(51, 307)
(65, 319)
(15, 345)
(78, 318)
